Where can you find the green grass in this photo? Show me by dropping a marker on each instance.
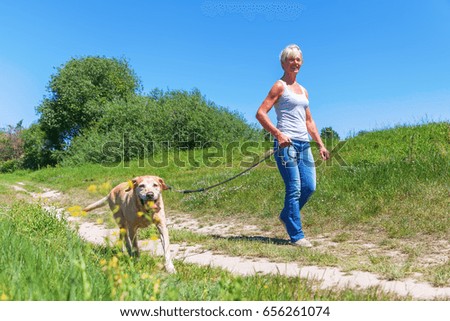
(255, 247)
(392, 193)
(43, 259)
(395, 181)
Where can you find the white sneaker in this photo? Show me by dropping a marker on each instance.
(303, 243)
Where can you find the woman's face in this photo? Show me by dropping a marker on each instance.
(292, 63)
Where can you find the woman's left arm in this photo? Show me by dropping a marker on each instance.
(312, 130)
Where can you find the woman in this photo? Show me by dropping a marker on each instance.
(292, 148)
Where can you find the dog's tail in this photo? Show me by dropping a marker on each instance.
(97, 204)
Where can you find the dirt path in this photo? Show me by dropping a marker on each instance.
(328, 277)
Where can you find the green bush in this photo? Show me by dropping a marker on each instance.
(36, 153)
(10, 166)
(140, 126)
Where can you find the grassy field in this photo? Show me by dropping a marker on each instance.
(43, 259)
(381, 205)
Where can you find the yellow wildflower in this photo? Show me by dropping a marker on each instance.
(114, 262)
(123, 296)
(74, 208)
(116, 209)
(75, 211)
(156, 287)
(92, 188)
(105, 187)
(130, 184)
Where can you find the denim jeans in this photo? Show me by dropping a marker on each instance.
(296, 166)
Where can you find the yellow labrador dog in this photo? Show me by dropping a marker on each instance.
(138, 204)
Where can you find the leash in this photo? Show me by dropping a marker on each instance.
(204, 189)
(265, 156)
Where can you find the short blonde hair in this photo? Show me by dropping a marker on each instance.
(289, 52)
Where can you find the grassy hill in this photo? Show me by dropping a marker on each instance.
(387, 189)
(394, 180)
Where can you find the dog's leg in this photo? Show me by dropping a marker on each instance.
(132, 247)
(125, 238)
(164, 237)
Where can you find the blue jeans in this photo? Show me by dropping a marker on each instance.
(296, 166)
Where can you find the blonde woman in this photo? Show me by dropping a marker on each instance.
(292, 148)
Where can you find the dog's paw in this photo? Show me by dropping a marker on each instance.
(170, 268)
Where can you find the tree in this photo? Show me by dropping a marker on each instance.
(78, 93)
(11, 144)
(329, 134)
(36, 151)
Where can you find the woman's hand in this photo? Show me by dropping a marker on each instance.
(283, 140)
(324, 153)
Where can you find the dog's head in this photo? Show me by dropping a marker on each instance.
(148, 189)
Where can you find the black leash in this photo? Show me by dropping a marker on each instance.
(265, 156)
(203, 189)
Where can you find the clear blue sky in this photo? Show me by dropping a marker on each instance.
(367, 64)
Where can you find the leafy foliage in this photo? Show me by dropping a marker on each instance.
(79, 91)
(11, 145)
(142, 125)
(93, 105)
(11, 148)
(37, 153)
(328, 133)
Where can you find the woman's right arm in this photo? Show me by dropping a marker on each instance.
(262, 114)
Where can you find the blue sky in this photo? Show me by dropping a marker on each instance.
(367, 64)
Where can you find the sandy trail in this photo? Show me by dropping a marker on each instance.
(328, 277)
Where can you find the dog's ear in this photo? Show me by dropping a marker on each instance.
(131, 184)
(163, 184)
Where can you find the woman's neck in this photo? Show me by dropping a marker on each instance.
(289, 78)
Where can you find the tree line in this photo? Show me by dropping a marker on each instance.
(92, 101)
(95, 101)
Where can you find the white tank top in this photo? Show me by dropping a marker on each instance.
(291, 114)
